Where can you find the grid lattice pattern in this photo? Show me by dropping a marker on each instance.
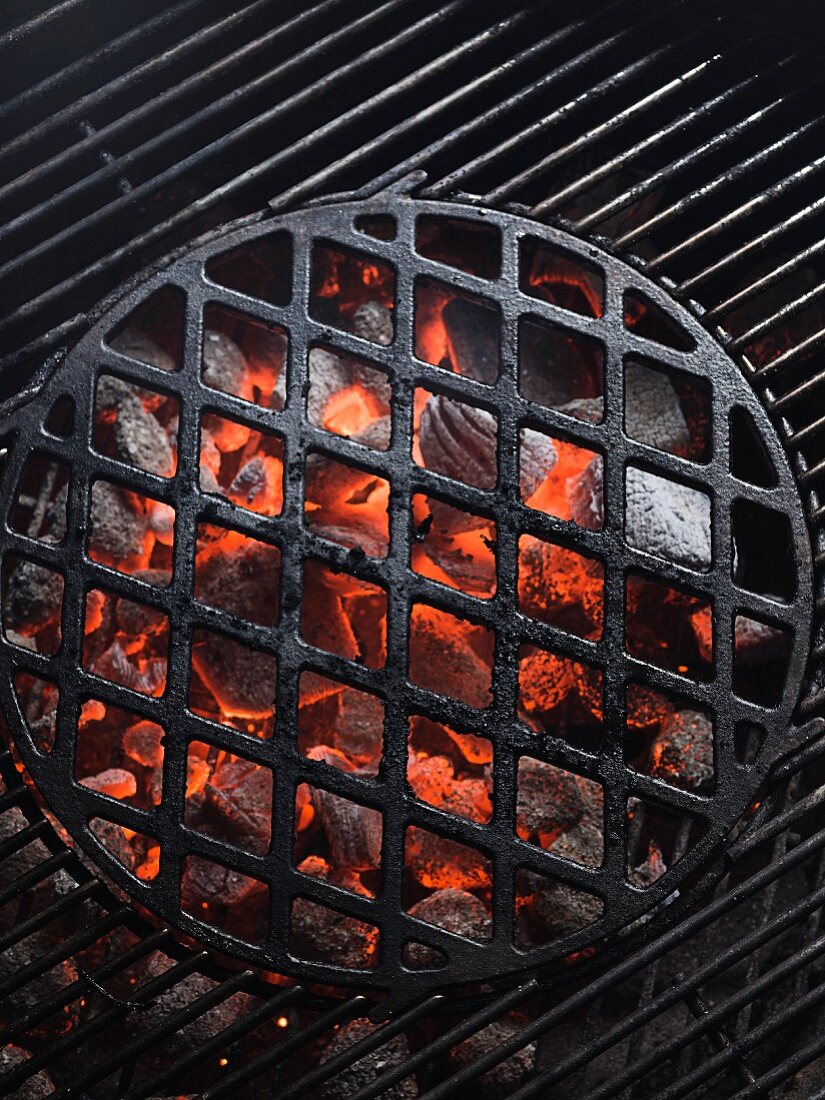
(388, 793)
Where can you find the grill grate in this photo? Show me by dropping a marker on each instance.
(761, 270)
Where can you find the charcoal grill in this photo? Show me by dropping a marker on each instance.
(599, 138)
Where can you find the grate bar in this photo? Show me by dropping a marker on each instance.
(220, 1041)
(21, 929)
(103, 54)
(611, 83)
(252, 1069)
(166, 101)
(723, 179)
(606, 168)
(614, 122)
(779, 317)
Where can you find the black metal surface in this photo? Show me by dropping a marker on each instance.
(622, 1024)
(712, 817)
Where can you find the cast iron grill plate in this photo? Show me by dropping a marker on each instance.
(73, 805)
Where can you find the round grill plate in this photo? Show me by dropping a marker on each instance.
(706, 818)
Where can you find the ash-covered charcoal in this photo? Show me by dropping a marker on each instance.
(328, 374)
(372, 321)
(146, 675)
(453, 910)
(653, 412)
(33, 597)
(332, 485)
(242, 680)
(359, 726)
(440, 863)
(134, 343)
(505, 1078)
(224, 365)
(558, 908)
(240, 794)
(545, 679)
(584, 842)
(353, 831)
(585, 495)
(38, 1086)
(433, 779)
(119, 525)
(589, 409)
(241, 577)
(473, 339)
(665, 518)
(139, 437)
(459, 441)
(321, 934)
(352, 1079)
(549, 802)
(442, 658)
(560, 587)
(682, 751)
(376, 435)
(258, 485)
(116, 782)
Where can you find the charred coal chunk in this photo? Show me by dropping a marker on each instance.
(242, 579)
(545, 679)
(33, 597)
(328, 374)
(168, 1003)
(242, 680)
(240, 794)
(505, 1078)
(138, 436)
(549, 802)
(134, 342)
(473, 337)
(38, 1086)
(560, 587)
(359, 726)
(653, 412)
(119, 524)
(224, 365)
(453, 910)
(459, 441)
(442, 659)
(352, 1079)
(440, 863)
(555, 369)
(353, 831)
(589, 409)
(434, 780)
(560, 908)
(266, 351)
(665, 518)
(372, 321)
(682, 752)
(325, 935)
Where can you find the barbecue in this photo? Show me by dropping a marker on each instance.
(410, 640)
